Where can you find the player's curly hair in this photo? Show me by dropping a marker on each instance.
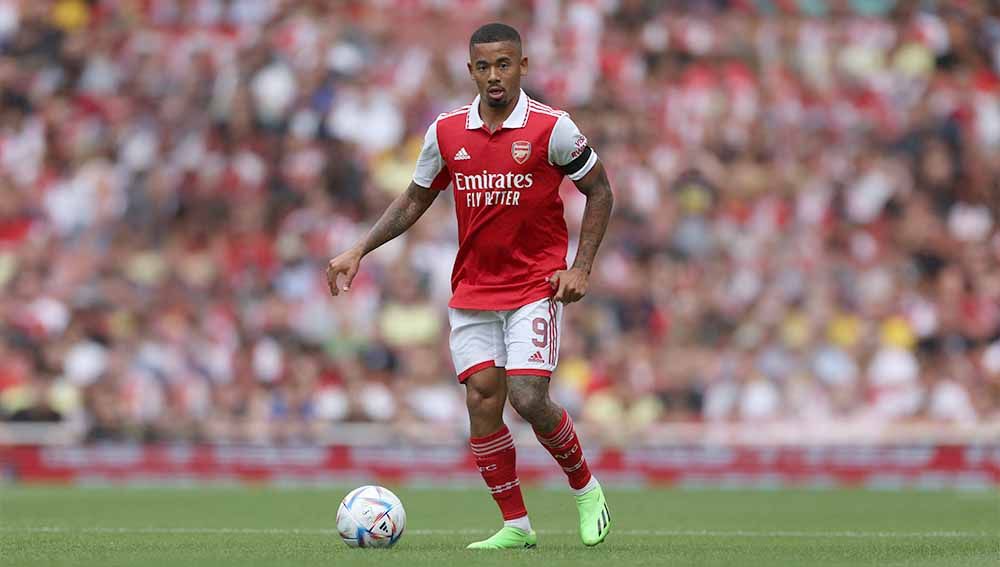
(494, 32)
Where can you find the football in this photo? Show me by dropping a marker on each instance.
(371, 516)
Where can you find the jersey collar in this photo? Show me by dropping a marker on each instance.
(517, 119)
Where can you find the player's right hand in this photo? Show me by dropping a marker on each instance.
(347, 265)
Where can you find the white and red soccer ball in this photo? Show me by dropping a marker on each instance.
(371, 516)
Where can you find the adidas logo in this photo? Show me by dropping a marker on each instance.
(462, 154)
(604, 521)
(537, 357)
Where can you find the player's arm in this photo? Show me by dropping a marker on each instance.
(430, 177)
(596, 215)
(397, 218)
(401, 214)
(569, 150)
(571, 285)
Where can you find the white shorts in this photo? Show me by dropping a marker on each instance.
(523, 340)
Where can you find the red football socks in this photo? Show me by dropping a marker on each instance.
(564, 446)
(496, 459)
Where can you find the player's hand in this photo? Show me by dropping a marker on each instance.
(347, 265)
(570, 285)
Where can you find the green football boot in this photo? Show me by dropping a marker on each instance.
(595, 518)
(507, 538)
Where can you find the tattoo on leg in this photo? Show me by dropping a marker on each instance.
(530, 397)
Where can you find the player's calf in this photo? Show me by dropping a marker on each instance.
(564, 445)
(493, 446)
(496, 459)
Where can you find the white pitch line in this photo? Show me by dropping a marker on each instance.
(420, 532)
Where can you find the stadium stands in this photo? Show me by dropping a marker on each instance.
(806, 221)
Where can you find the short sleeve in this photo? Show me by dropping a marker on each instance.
(430, 164)
(568, 149)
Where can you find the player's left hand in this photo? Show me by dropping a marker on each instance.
(570, 285)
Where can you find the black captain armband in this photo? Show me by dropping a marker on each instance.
(578, 162)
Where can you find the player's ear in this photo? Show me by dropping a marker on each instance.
(524, 65)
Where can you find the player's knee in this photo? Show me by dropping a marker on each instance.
(529, 403)
(484, 401)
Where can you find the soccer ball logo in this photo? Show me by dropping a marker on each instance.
(371, 516)
(521, 151)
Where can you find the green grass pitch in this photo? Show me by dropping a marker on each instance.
(45, 526)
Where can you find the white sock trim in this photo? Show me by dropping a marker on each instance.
(591, 484)
(521, 523)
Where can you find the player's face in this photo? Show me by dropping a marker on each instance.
(497, 69)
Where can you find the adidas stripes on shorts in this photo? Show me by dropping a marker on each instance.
(523, 340)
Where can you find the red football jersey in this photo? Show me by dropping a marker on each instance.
(511, 230)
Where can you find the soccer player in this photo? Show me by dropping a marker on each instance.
(505, 156)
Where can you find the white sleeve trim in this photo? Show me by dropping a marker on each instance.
(565, 142)
(429, 163)
(583, 171)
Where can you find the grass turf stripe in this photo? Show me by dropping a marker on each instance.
(327, 531)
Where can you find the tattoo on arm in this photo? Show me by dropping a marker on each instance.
(597, 188)
(399, 216)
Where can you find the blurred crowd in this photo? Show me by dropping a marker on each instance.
(805, 225)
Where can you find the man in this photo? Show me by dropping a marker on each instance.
(505, 155)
